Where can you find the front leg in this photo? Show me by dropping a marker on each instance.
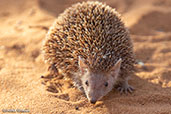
(124, 87)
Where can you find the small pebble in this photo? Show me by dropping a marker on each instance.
(76, 108)
(41, 76)
(140, 63)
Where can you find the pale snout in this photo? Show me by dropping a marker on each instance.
(94, 96)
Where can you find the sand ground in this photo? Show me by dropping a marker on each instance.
(23, 26)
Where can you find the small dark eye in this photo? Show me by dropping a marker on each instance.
(106, 84)
(86, 82)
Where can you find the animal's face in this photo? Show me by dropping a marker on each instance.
(97, 85)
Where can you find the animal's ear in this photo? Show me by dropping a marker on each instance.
(116, 68)
(82, 66)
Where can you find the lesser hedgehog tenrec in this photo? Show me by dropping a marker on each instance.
(90, 44)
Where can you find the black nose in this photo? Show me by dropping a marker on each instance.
(93, 101)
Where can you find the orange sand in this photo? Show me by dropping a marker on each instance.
(23, 25)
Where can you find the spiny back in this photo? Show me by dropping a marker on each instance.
(93, 31)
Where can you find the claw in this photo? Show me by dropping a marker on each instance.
(122, 90)
(119, 88)
(130, 89)
(125, 89)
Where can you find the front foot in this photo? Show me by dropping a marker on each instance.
(125, 88)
